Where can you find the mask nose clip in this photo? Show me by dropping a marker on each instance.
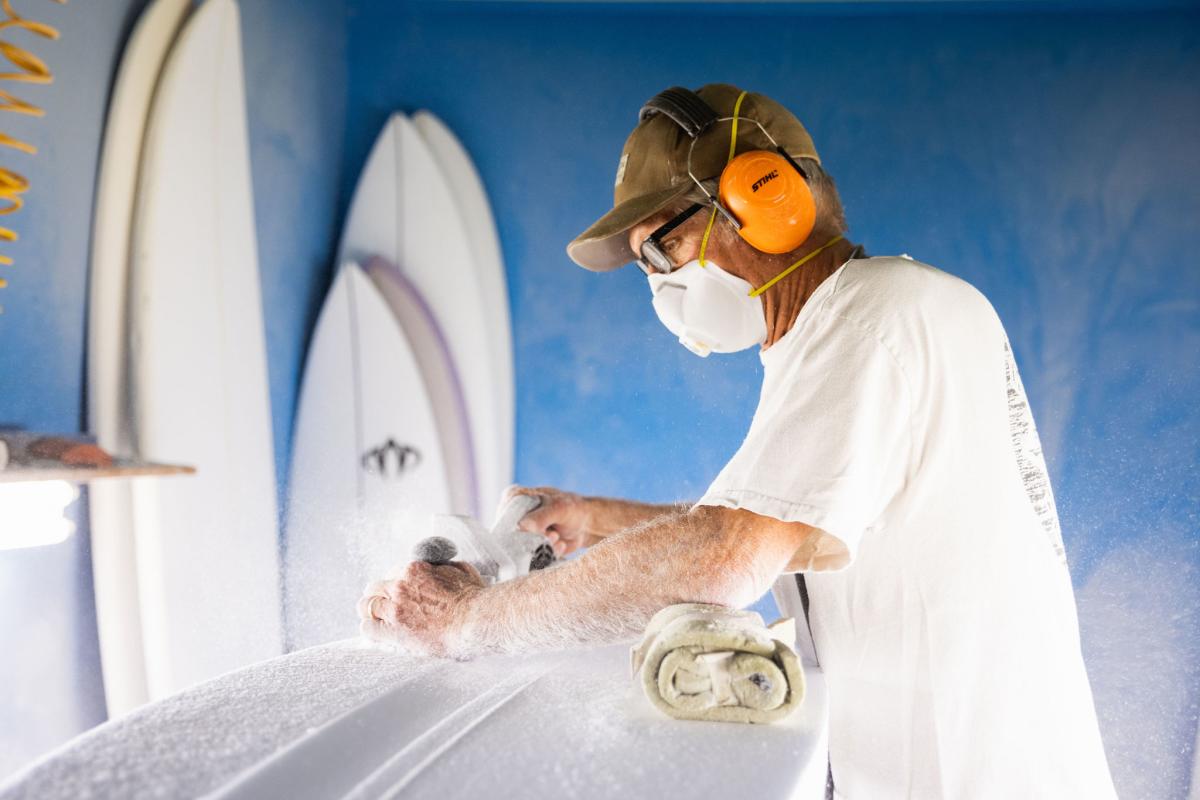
(699, 348)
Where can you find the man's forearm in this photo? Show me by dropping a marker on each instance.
(611, 592)
(608, 516)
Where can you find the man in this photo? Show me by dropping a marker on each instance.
(892, 459)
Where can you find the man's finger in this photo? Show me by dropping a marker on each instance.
(366, 607)
(381, 609)
(546, 493)
(378, 631)
(363, 606)
(518, 491)
(371, 592)
(540, 520)
(512, 491)
(375, 588)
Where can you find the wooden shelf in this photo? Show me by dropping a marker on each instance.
(23, 465)
(46, 470)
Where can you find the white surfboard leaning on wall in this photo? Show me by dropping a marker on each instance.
(471, 198)
(367, 462)
(118, 614)
(446, 399)
(207, 545)
(404, 210)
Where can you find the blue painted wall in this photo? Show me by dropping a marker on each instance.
(1050, 159)
(295, 61)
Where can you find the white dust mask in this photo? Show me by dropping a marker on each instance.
(709, 310)
(712, 311)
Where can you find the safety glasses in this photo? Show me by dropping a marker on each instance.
(654, 259)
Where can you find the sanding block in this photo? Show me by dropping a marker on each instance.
(501, 554)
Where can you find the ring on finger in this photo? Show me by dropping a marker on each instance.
(371, 608)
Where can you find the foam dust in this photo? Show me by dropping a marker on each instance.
(1139, 616)
(325, 575)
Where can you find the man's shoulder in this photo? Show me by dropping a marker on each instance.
(904, 302)
(899, 277)
(890, 286)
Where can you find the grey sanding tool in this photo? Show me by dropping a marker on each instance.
(501, 554)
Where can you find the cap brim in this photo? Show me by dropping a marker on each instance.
(605, 245)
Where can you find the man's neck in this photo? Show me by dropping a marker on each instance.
(783, 301)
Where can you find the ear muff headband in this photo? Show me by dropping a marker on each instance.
(764, 195)
(685, 108)
(737, 109)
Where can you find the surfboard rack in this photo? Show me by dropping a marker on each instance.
(27, 457)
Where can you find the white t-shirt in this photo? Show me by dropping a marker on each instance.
(892, 417)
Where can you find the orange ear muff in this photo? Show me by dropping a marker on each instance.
(770, 199)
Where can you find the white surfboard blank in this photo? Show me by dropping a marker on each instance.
(207, 546)
(462, 729)
(118, 614)
(469, 194)
(368, 467)
(404, 210)
(446, 400)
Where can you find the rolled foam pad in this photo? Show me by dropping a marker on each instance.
(707, 662)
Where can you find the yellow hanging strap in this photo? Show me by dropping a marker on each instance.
(707, 230)
(794, 267)
(737, 110)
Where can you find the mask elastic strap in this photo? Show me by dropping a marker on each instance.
(707, 230)
(794, 267)
(737, 108)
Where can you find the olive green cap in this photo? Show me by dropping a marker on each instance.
(652, 173)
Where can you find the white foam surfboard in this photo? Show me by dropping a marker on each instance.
(110, 505)
(367, 463)
(471, 198)
(404, 210)
(432, 355)
(351, 721)
(207, 545)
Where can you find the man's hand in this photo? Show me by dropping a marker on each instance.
(423, 610)
(564, 518)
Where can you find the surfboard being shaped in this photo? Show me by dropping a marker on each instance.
(404, 210)
(110, 504)
(347, 720)
(351, 721)
(207, 545)
(368, 468)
